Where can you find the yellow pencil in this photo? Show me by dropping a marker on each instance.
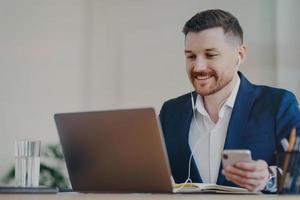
(292, 139)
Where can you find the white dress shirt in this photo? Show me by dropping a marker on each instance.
(208, 142)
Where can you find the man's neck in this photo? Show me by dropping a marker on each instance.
(214, 102)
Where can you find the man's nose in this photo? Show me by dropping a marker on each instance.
(200, 64)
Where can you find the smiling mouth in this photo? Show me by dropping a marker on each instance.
(201, 78)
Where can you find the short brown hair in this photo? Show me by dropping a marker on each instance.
(214, 18)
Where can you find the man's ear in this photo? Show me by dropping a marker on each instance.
(241, 54)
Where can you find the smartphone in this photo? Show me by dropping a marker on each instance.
(230, 157)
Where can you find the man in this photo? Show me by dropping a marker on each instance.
(225, 111)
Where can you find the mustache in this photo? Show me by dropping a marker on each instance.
(204, 73)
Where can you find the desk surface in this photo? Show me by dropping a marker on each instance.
(73, 196)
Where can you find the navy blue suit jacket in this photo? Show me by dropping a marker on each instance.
(260, 118)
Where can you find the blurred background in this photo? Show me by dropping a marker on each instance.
(78, 55)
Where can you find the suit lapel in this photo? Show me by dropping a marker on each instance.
(238, 120)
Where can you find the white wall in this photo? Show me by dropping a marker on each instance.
(42, 71)
(136, 61)
(71, 55)
(288, 45)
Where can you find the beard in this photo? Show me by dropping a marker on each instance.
(214, 86)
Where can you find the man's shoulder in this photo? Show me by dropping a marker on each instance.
(178, 103)
(272, 93)
(182, 99)
(266, 93)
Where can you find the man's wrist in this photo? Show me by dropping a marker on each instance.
(271, 185)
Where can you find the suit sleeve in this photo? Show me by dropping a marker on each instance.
(288, 116)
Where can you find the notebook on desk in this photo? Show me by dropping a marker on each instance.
(120, 151)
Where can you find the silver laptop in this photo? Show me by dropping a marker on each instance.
(115, 151)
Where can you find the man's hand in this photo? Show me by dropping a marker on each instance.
(250, 175)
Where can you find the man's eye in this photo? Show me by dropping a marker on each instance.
(191, 57)
(210, 56)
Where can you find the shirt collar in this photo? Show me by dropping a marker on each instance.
(229, 102)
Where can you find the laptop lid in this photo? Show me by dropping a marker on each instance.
(114, 151)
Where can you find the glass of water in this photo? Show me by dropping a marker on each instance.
(27, 163)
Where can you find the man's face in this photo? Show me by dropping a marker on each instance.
(211, 60)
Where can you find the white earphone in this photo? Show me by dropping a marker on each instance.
(239, 61)
(189, 180)
(193, 103)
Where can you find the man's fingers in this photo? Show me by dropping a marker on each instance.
(257, 165)
(252, 175)
(242, 180)
(249, 166)
(245, 173)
